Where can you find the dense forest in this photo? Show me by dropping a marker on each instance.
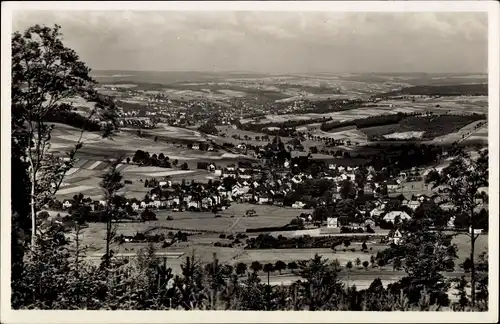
(478, 89)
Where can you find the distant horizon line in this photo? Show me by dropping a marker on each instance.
(284, 73)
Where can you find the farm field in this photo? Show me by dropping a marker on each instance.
(201, 246)
(337, 116)
(289, 255)
(425, 127)
(353, 135)
(479, 136)
(164, 130)
(232, 220)
(456, 104)
(205, 221)
(86, 176)
(444, 105)
(229, 131)
(97, 152)
(467, 131)
(127, 143)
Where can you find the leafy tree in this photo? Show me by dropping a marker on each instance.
(44, 74)
(349, 265)
(460, 285)
(424, 253)
(148, 215)
(292, 265)
(320, 287)
(432, 212)
(268, 268)
(208, 128)
(251, 294)
(360, 180)
(482, 281)
(358, 262)
(346, 211)
(256, 266)
(347, 190)
(464, 176)
(241, 268)
(364, 247)
(467, 265)
(366, 264)
(110, 185)
(250, 213)
(321, 214)
(396, 264)
(279, 266)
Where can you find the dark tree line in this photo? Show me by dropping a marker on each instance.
(478, 89)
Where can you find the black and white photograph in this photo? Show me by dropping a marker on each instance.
(202, 157)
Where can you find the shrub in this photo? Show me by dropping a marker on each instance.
(344, 229)
(241, 268)
(241, 236)
(148, 215)
(467, 265)
(292, 265)
(366, 264)
(381, 262)
(169, 218)
(222, 236)
(358, 262)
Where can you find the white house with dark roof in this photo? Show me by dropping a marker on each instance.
(67, 204)
(391, 216)
(395, 237)
(413, 204)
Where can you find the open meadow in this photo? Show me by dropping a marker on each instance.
(86, 176)
(96, 154)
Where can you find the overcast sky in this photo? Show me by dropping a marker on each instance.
(277, 42)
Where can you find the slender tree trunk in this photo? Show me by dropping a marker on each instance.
(473, 269)
(214, 291)
(33, 212)
(108, 241)
(268, 292)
